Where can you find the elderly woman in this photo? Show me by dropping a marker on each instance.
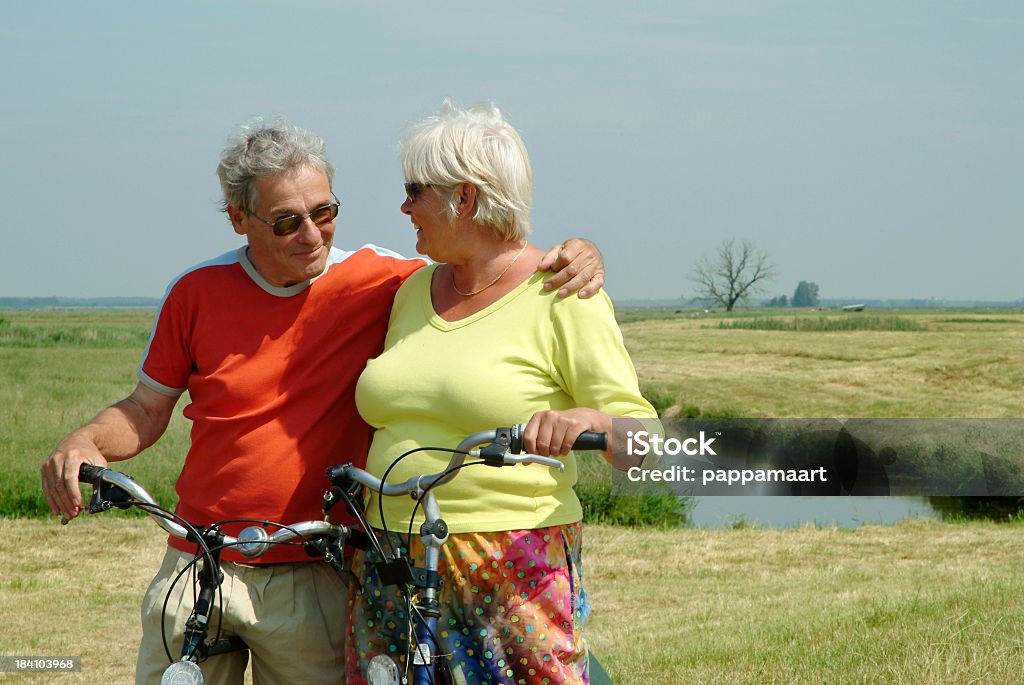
(475, 342)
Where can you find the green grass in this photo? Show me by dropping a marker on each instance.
(82, 362)
(109, 329)
(956, 364)
(981, 320)
(594, 489)
(825, 324)
(631, 314)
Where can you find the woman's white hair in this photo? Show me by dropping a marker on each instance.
(473, 145)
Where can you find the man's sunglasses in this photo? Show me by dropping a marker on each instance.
(413, 190)
(287, 225)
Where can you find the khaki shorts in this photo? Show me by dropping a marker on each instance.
(292, 616)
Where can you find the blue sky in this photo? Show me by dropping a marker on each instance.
(874, 148)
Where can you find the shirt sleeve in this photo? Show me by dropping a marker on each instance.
(166, 362)
(591, 358)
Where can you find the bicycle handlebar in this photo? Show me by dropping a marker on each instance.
(252, 542)
(504, 447)
(97, 475)
(113, 488)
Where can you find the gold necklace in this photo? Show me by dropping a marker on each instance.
(497, 278)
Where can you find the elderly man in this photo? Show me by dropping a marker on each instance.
(268, 340)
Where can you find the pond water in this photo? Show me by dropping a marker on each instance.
(792, 512)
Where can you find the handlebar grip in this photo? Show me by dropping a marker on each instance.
(338, 475)
(591, 440)
(87, 473)
(587, 440)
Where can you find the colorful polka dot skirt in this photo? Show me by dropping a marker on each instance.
(512, 608)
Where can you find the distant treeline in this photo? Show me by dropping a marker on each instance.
(76, 302)
(152, 302)
(835, 303)
(922, 304)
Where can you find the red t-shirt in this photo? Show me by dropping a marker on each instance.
(271, 375)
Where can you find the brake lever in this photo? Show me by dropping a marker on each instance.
(494, 454)
(107, 495)
(98, 503)
(501, 453)
(550, 462)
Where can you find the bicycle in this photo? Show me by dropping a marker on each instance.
(419, 586)
(498, 447)
(321, 539)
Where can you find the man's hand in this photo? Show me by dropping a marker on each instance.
(60, 475)
(118, 432)
(579, 267)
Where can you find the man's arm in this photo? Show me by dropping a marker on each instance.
(579, 264)
(119, 432)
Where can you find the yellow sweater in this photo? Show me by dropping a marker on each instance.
(438, 381)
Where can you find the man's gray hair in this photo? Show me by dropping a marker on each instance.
(266, 148)
(474, 145)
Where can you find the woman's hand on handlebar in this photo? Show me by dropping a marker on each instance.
(551, 433)
(59, 474)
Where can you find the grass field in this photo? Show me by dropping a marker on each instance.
(952, 364)
(59, 368)
(913, 603)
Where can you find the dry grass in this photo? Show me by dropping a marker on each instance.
(913, 603)
(76, 591)
(967, 366)
(919, 602)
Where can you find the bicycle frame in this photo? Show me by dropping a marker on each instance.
(115, 489)
(501, 447)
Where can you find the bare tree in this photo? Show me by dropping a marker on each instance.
(736, 271)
